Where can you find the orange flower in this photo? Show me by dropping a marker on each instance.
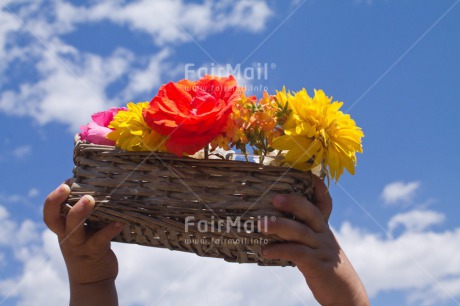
(253, 122)
(192, 114)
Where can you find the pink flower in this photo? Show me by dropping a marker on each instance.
(97, 130)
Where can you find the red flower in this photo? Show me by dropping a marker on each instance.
(192, 114)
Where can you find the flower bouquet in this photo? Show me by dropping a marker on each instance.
(196, 168)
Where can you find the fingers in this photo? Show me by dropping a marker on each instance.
(321, 197)
(302, 209)
(290, 230)
(52, 209)
(294, 252)
(75, 231)
(103, 236)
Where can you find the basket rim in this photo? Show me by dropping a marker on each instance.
(85, 145)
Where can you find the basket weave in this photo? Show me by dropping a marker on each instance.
(153, 193)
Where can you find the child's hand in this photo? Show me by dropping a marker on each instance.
(91, 264)
(314, 249)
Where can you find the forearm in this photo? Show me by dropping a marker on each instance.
(102, 293)
(339, 284)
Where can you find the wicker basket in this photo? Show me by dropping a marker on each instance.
(176, 203)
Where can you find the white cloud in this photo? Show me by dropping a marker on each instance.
(26, 200)
(33, 192)
(419, 265)
(68, 92)
(70, 84)
(144, 80)
(414, 262)
(415, 220)
(399, 192)
(147, 275)
(8, 25)
(2, 260)
(445, 290)
(182, 278)
(249, 15)
(3, 213)
(176, 21)
(14, 233)
(22, 151)
(13, 198)
(7, 226)
(43, 279)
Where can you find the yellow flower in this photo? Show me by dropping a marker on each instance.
(132, 134)
(316, 132)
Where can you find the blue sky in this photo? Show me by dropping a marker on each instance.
(395, 64)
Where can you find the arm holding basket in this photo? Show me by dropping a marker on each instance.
(91, 264)
(314, 249)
